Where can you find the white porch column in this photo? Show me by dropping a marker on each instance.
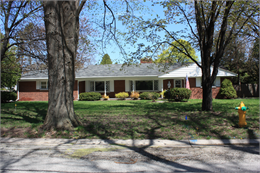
(105, 88)
(17, 91)
(133, 85)
(162, 88)
(78, 89)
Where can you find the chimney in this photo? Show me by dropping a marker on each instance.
(146, 60)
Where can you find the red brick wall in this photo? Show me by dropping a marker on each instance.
(28, 92)
(197, 92)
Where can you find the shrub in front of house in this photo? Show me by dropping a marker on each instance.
(122, 95)
(227, 90)
(149, 95)
(178, 94)
(89, 96)
(105, 97)
(134, 95)
(7, 96)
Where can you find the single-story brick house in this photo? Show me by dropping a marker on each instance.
(113, 78)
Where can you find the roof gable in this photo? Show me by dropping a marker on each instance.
(193, 70)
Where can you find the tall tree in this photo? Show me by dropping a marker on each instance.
(173, 55)
(253, 63)
(62, 34)
(14, 16)
(216, 24)
(234, 57)
(106, 59)
(10, 68)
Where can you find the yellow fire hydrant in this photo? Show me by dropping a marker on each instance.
(242, 114)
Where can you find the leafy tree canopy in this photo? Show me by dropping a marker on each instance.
(176, 53)
(106, 59)
(10, 68)
(253, 63)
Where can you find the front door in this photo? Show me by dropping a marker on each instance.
(119, 86)
(165, 83)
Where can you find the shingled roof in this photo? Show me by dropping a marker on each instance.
(112, 70)
(117, 70)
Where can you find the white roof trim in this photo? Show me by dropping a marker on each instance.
(116, 76)
(33, 78)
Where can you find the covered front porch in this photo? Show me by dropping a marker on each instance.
(111, 87)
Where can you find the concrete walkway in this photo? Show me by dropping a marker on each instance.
(39, 155)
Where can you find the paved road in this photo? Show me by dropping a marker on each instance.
(60, 155)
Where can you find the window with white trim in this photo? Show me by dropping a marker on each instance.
(145, 85)
(155, 85)
(214, 83)
(107, 85)
(177, 83)
(99, 85)
(131, 85)
(44, 85)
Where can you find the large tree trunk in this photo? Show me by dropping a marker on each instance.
(207, 96)
(62, 32)
(206, 79)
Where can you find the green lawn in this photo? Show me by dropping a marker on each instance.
(137, 119)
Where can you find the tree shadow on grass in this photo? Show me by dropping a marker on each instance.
(106, 130)
(31, 113)
(12, 117)
(174, 106)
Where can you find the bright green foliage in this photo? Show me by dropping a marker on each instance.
(7, 96)
(173, 55)
(10, 69)
(89, 96)
(227, 90)
(149, 95)
(178, 94)
(122, 95)
(106, 59)
(163, 93)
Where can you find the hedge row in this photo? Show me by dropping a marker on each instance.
(177, 94)
(149, 95)
(91, 96)
(7, 96)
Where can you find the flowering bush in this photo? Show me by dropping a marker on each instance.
(105, 97)
(134, 95)
(162, 93)
(122, 95)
